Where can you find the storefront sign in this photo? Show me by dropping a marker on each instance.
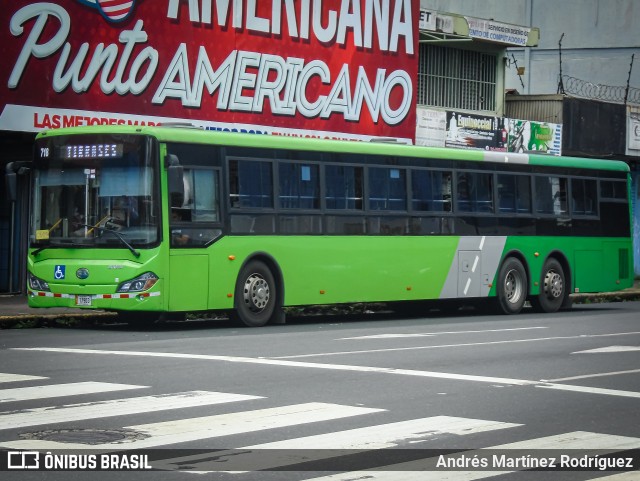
(431, 127)
(475, 132)
(527, 136)
(633, 131)
(498, 32)
(337, 68)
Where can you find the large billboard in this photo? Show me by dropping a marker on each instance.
(318, 68)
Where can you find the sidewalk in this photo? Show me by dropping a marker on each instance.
(14, 308)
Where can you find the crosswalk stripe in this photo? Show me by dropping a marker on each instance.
(194, 429)
(115, 407)
(61, 390)
(324, 446)
(6, 377)
(414, 470)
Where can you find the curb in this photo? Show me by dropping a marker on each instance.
(67, 319)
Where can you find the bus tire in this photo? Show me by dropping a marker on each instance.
(553, 288)
(512, 286)
(256, 295)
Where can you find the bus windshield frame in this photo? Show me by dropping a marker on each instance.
(95, 191)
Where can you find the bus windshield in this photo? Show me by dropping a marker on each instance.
(94, 191)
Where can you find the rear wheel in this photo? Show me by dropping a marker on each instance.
(553, 288)
(512, 286)
(256, 295)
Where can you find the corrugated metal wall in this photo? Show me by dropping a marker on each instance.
(541, 108)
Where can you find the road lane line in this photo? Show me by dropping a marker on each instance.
(415, 470)
(285, 363)
(587, 376)
(6, 377)
(325, 446)
(590, 390)
(431, 334)
(207, 427)
(61, 390)
(116, 407)
(468, 344)
(610, 349)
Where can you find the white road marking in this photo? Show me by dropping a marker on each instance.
(115, 407)
(61, 390)
(431, 334)
(586, 376)
(467, 344)
(610, 349)
(207, 427)
(325, 446)
(4, 377)
(285, 363)
(590, 390)
(410, 471)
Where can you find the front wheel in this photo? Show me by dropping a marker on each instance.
(512, 286)
(256, 295)
(553, 288)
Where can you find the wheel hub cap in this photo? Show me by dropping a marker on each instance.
(512, 286)
(256, 293)
(553, 284)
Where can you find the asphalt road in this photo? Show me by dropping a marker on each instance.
(330, 398)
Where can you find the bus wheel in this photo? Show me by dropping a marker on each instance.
(255, 295)
(512, 286)
(552, 288)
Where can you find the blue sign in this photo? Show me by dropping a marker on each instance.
(59, 272)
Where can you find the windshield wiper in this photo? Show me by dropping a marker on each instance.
(115, 233)
(40, 249)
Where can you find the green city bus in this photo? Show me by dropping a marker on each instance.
(158, 221)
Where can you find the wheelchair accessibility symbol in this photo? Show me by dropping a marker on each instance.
(59, 272)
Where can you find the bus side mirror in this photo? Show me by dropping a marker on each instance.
(11, 177)
(175, 173)
(12, 185)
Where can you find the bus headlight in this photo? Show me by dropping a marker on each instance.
(139, 284)
(38, 284)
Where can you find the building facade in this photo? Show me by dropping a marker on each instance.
(588, 51)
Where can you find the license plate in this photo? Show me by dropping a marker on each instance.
(83, 300)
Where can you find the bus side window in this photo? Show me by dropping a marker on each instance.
(431, 191)
(551, 195)
(387, 189)
(514, 194)
(584, 195)
(475, 192)
(299, 186)
(250, 184)
(344, 187)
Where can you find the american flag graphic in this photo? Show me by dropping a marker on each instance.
(116, 10)
(112, 10)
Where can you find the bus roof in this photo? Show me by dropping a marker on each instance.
(201, 136)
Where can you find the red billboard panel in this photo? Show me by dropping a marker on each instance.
(321, 68)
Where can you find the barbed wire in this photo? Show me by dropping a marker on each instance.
(607, 93)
